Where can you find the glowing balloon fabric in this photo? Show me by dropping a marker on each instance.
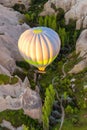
(39, 46)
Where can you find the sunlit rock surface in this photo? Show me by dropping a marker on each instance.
(74, 9)
(77, 12)
(21, 96)
(10, 30)
(81, 49)
(11, 3)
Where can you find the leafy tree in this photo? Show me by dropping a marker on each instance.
(60, 14)
(63, 35)
(46, 21)
(27, 18)
(41, 22)
(54, 25)
(49, 21)
(33, 17)
(47, 107)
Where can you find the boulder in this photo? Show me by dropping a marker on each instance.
(10, 30)
(11, 3)
(8, 125)
(64, 4)
(48, 10)
(81, 49)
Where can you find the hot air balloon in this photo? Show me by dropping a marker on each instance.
(39, 46)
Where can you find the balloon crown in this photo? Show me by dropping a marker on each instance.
(37, 31)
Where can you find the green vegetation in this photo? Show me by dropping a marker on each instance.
(4, 79)
(47, 107)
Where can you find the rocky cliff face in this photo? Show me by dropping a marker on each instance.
(74, 9)
(81, 49)
(10, 30)
(78, 12)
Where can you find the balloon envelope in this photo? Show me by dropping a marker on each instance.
(39, 46)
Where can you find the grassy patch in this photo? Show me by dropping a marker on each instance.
(4, 79)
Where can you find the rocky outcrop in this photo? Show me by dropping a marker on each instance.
(10, 30)
(11, 3)
(48, 10)
(18, 95)
(64, 4)
(81, 44)
(8, 125)
(74, 9)
(78, 12)
(81, 49)
(4, 71)
(85, 22)
(21, 96)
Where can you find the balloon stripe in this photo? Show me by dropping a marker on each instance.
(39, 51)
(28, 45)
(54, 40)
(46, 50)
(32, 49)
(22, 44)
(50, 48)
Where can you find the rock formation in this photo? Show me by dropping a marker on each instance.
(9, 126)
(10, 30)
(81, 49)
(21, 96)
(11, 3)
(18, 95)
(78, 12)
(74, 9)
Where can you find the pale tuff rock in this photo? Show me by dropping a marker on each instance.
(81, 44)
(81, 49)
(10, 30)
(4, 71)
(85, 22)
(78, 67)
(78, 11)
(79, 23)
(74, 9)
(9, 126)
(47, 9)
(20, 96)
(32, 104)
(5, 59)
(8, 16)
(64, 4)
(11, 3)
(14, 90)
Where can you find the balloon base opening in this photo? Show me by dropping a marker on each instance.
(40, 71)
